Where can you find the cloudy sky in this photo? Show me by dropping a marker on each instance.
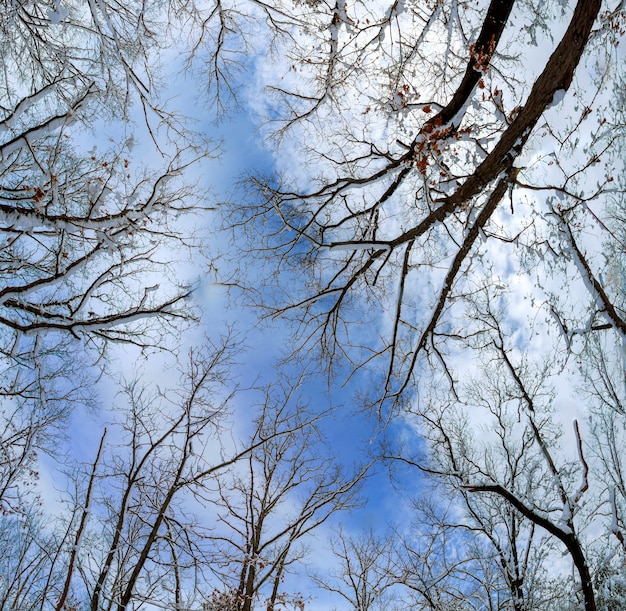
(245, 148)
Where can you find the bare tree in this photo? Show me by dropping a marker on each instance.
(285, 489)
(467, 552)
(130, 535)
(127, 536)
(498, 445)
(147, 540)
(26, 561)
(447, 174)
(417, 189)
(364, 577)
(88, 236)
(138, 525)
(439, 175)
(443, 565)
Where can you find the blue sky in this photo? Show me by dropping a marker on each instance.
(354, 434)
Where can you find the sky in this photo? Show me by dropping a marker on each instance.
(354, 434)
